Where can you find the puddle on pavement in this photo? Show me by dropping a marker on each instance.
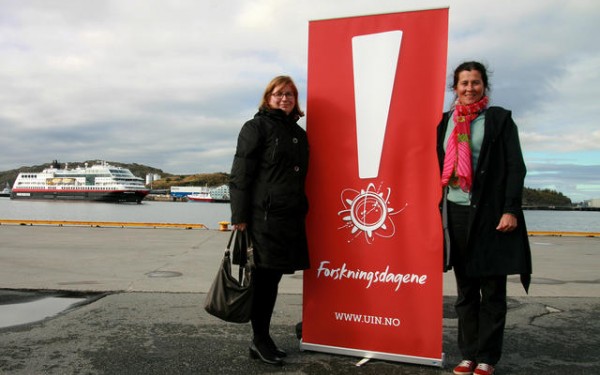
(18, 308)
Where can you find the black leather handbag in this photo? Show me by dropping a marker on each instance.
(228, 298)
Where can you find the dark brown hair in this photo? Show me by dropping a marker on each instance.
(471, 65)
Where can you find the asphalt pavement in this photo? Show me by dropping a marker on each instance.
(139, 295)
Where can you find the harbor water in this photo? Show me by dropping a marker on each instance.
(210, 214)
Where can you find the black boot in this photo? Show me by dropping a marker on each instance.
(275, 349)
(259, 349)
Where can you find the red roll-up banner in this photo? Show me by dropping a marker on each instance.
(375, 95)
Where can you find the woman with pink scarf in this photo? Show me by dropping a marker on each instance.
(482, 172)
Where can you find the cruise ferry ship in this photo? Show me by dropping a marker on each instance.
(100, 182)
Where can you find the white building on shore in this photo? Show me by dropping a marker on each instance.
(593, 202)
(151, 177)
(220, 192)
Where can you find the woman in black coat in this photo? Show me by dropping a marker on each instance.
(482, 172)
(268, 199)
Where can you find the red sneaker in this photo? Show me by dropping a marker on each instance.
(484, 369)
(465, 367)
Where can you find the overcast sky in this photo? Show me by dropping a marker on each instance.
(169, 83)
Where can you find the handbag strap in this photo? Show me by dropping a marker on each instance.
(249, 250)
(249, 259)
(231, 237)
(245, 269)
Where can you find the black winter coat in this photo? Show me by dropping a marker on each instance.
(497, 189)
(267, 189)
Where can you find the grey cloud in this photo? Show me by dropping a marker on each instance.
(170, 85)
(579, 182)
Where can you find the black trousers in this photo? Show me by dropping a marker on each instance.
(481, 302)
(266, 286)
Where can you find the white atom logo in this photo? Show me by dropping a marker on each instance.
(369, 212)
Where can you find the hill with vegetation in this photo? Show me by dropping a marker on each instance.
(201, 179)
(531, 197)
(545, 198)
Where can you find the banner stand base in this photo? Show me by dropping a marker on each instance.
(437, 362)
(362, 362)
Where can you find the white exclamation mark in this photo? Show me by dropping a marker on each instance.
(375, 58)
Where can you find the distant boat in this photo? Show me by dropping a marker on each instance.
(101, 182)
(206, 196)
(6, 191)
(201, 197)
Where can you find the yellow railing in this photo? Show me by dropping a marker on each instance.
(222, 226)
(564, 234)
(102, 224)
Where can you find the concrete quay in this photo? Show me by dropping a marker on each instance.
(144, 289)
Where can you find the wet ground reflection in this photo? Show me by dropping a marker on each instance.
(23, 307)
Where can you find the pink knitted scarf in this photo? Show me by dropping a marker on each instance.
(457, 169)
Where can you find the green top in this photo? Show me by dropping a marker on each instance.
(455, 193)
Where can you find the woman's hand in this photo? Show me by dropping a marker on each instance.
(508, 223)
(239, 226)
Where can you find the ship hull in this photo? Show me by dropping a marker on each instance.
(208, 199)
(122, 196)
(200, 199)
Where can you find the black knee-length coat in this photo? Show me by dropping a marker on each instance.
(267, 189)
(497, 188)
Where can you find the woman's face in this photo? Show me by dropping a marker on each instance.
(470, 88)
(282, 97)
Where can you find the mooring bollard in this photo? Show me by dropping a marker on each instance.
(224, 225)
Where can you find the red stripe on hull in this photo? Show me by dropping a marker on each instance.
(81, 195)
